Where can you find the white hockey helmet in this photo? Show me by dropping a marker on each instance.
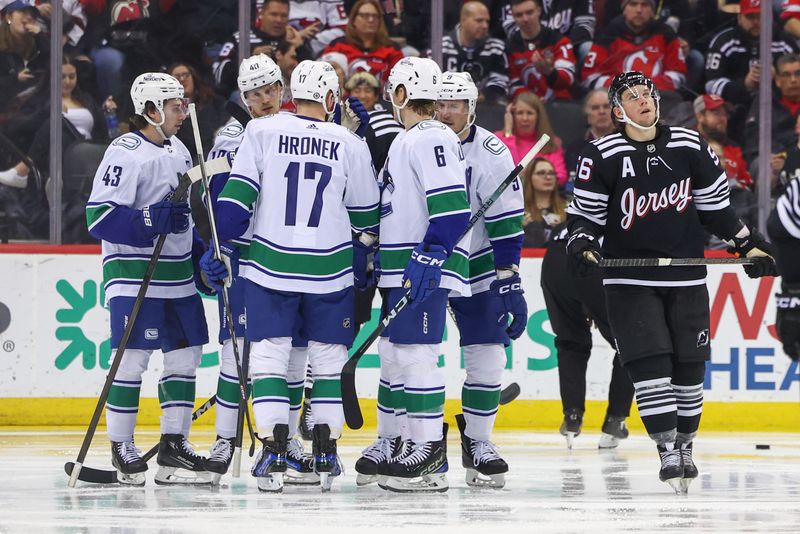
(155, 87)
(459, 86)
(312, 80)
(257, 71)
(421, 77)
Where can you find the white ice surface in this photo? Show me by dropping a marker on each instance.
(548, 489)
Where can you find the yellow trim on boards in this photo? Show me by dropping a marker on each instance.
(539, 415)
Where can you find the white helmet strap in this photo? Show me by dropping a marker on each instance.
(157, 125)
(397, 107)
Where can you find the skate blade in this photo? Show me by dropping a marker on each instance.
(176, 476)
(293, 478)
(570, 439)
(476, 479)
(365, 480)
(272, 483)
(607, 441)
(425, 484)
(677, 485)
(132, 479)
(685, 483)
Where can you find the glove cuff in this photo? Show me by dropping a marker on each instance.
(506, 272)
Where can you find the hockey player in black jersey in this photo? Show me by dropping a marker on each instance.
(783, 227)
(649, 190)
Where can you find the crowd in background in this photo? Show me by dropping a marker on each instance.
(542, 66)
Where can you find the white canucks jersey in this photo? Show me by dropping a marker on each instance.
(308, 183)
(135, 173)
(423, 179)
(489, 162)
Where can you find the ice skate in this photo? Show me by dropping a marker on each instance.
(270, 465)
(614, 431)
(571, 425)
(300, 465)
(671, 467)
(326, 461)
(420, 467)
(377, 454)
(127, 459)
(485, 468)
(178, 463)
(219, 458)
(306, 416)
(689, 469)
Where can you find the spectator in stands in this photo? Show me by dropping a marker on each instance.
(382, 127)
(636, 40)
(272, 32)
(320, 21)
(785, 110)
(338, 61)
(468, 48)
(545, 208)
(211, 114)
(525, 121)
(732, 62)
(82, 121)
(598, 117)
(540, 60)
(788, 167)
(366, 42)
(790, 16)
(285, 56)
(712, 122)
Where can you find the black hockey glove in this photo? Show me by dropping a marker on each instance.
(754, 245)
(583, 251)
(787, 321)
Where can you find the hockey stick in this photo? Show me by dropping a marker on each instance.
(237, 458)
(352, 411)
(673, 262)
(180, 192)
(236, 111)
(510, 393)
(226, 303)
(105, 476)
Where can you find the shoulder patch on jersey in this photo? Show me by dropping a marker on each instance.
(232, 130)
(129, 142)
(494, 145)
(431, 123)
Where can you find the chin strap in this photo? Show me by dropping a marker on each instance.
(157, 125)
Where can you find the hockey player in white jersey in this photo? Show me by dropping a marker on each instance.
(260, 85)
(130, 205)
(494, 256)
(307, 184)
(424, 210)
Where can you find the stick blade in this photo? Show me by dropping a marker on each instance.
(510, 393)
(94, 476)
(352, 410)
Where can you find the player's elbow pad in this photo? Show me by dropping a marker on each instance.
(232, 221)
(123, 226)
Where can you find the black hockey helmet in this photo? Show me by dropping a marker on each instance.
(629, 80)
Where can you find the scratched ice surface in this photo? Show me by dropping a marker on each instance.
(549, 489)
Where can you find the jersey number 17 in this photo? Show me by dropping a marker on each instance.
(310, 170)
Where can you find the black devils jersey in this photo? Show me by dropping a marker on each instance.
(651, 200)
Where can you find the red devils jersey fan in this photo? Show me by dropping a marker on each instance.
(540, 60)
(649, 190)
(636, 40)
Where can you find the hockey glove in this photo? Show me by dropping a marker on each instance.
(424, 272)
(787, 321)
(166, 217)
(355, 116)
(221, 272)
(509, 298)
(749, 243)
(200, 279)
(583, 252)
(363, 248)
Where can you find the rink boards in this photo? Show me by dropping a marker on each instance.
(54, 351)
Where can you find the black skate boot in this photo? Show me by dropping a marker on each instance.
(219, 458)
(178, 463)
(571, 425)
(128, 461)
(326, 461)
(689, 469)
(671, 467)
(485, 468)
(422, 467)
(270, 464)
(306, 416)
(376, 455)
(614, 430)
(300, 465)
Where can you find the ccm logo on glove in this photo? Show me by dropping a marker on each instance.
(516, 286)
(426, 260)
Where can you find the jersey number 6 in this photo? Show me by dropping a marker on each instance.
(311, 169)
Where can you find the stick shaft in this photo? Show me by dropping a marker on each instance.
(672, 262)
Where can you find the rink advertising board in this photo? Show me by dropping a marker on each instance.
(54, 350)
